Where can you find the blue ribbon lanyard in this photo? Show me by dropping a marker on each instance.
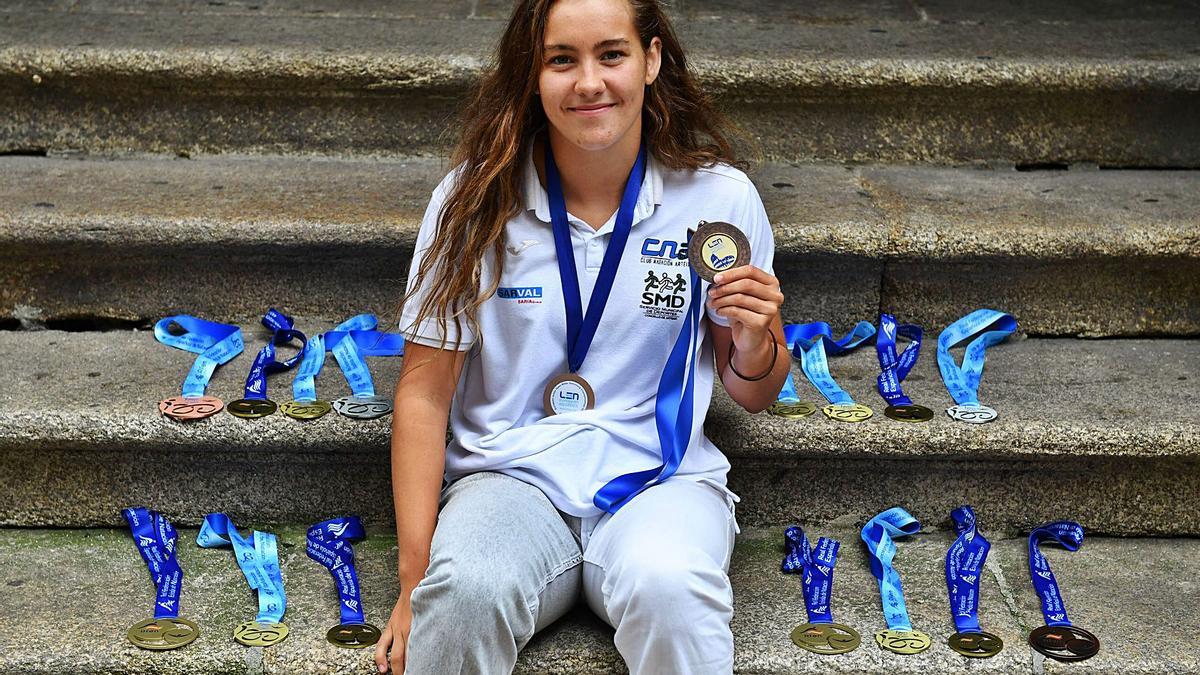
(304, 387)
(258, 560)
(817, 567)
(155, 539)
(963, 382)
(264, 363)
(813, 342)
(964, 566)
(878, 534)
(355, 338)
(1067, 534)
(788, 393)
(215, 343)
(893, 368)
(329, 543)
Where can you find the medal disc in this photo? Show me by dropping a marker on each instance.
(792, 410)
(908, 413)
(353, 635)
(189, 409)
(305, 410)
(850, 412)
(255, 634)
(979, 645)
(903, 641)
(568, 393)
(251, 408)
(716, 247)
(1064, 643)
(363, 407)
(971, 414)
(162, 634)
(826, 638)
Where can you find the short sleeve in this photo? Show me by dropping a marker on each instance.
(757, 228)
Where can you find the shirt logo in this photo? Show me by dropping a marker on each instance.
(664, 296)
(664, 252)
(524, 295)
(525, 243)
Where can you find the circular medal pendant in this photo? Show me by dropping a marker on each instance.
(363, 407)
(826, 638)
(305, 410)
(793, 411)
(188, 409)
(251, 408)
(903, 641)
(255, 634)
(1064, 643)
(353, 635)
(979, 645)
(971, 414)
(847, 412)
(716, 247)
(568, 393)
(908, 413)
(162, 634)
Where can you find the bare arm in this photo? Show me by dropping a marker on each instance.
(750, 298)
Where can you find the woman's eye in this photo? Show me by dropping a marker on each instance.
(554, 60)
(615, 54)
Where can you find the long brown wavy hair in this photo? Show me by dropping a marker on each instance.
(680, 125)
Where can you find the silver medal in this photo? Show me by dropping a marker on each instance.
(363, 407)
(972, 414)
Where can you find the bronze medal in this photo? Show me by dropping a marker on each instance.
(908, 413)
(363, 407)
(793, 411)
(903, 641)
(1064, 643)
(971, 414)
(251, 408)
(978, 645)
(306, 410)
(847, 412)
(716, 247)
(826, 638)
(353, 635)
(568, 393)
(189, 409)
(255, 634)
(162, 634)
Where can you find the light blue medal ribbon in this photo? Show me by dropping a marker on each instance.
(265, 363)
(329, 543)
(304, 387)
(214, 343)
(258, 559)
(155, 538)
(816, 566)
(879, 534)
(355, 338)
(813, 343)
(895, 368)
(963, 381)
(1067, 534)
(964, 566)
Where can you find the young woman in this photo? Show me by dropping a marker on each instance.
(587, 142)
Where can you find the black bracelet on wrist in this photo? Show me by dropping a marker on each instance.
(774, 355)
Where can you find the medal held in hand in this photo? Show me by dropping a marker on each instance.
(716, 247)
(1059, 639)
(820, 635)
(963, 381)
(329, 543)
(813, 343)
(879, 534)
(894, 368)
(215, 344)
(255, 404)
(964, 566)
(155, 538)
(259, 561)
(350, 342)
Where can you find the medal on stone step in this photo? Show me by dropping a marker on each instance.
(895, 368)
(329, 543)
(814, 343)
(788, 404)
(155, 539)
(570, 392)
(716, 247)
(258, 558)
(964, 567)
(350, 342)
(305, 405)
(815, 565)
(879, 535)
(1059, 639)
(214, 344)
(989, 327)
(254, 403)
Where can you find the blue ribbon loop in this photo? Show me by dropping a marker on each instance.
(155, 538)
(963, 382)
(214, 343)
(258, 559)
(879, 534)
(355, 338)
(329, 543)
(964, 566)
(813, 342)
(1067, 534)
(893, 368)
(816, 564)
(265, 364)
(304, 387)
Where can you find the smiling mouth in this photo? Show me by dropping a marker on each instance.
(593, 110)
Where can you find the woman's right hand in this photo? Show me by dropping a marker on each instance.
(395, 636)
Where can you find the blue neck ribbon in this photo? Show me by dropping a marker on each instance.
(1067, 534)
(265, 364)
(258, 560)
(355, 338)
(964, 566)
(879, 534)
(813, 342)
(329, 543)
(304, 387)
(215, 343)
(963, 382)
(893, 368)
(817, 567)
(155, 539)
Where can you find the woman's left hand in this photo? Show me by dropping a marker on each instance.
(750, 298)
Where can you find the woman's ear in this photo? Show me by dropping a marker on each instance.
(653, 60)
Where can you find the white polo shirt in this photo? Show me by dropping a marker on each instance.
(497, 419)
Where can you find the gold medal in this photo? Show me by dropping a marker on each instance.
(306, 410)
(792, 410)
(162, 634)
(255, 634)
(716, 247)
(903, 641)
(978, 645)
(908, 413)
(189, 409)
(847, 412)
(251, 408)
(826, 638)
(353, 635)
(568, 393)
(1065, 643)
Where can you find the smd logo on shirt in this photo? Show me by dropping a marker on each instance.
(524, 295)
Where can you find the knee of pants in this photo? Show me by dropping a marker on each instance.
(461, 595)
(672, 588)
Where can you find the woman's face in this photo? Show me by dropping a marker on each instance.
(594, 71)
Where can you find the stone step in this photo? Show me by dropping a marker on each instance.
(84, 588)
(1106, 431)
(882, 81)
(1095, 253)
